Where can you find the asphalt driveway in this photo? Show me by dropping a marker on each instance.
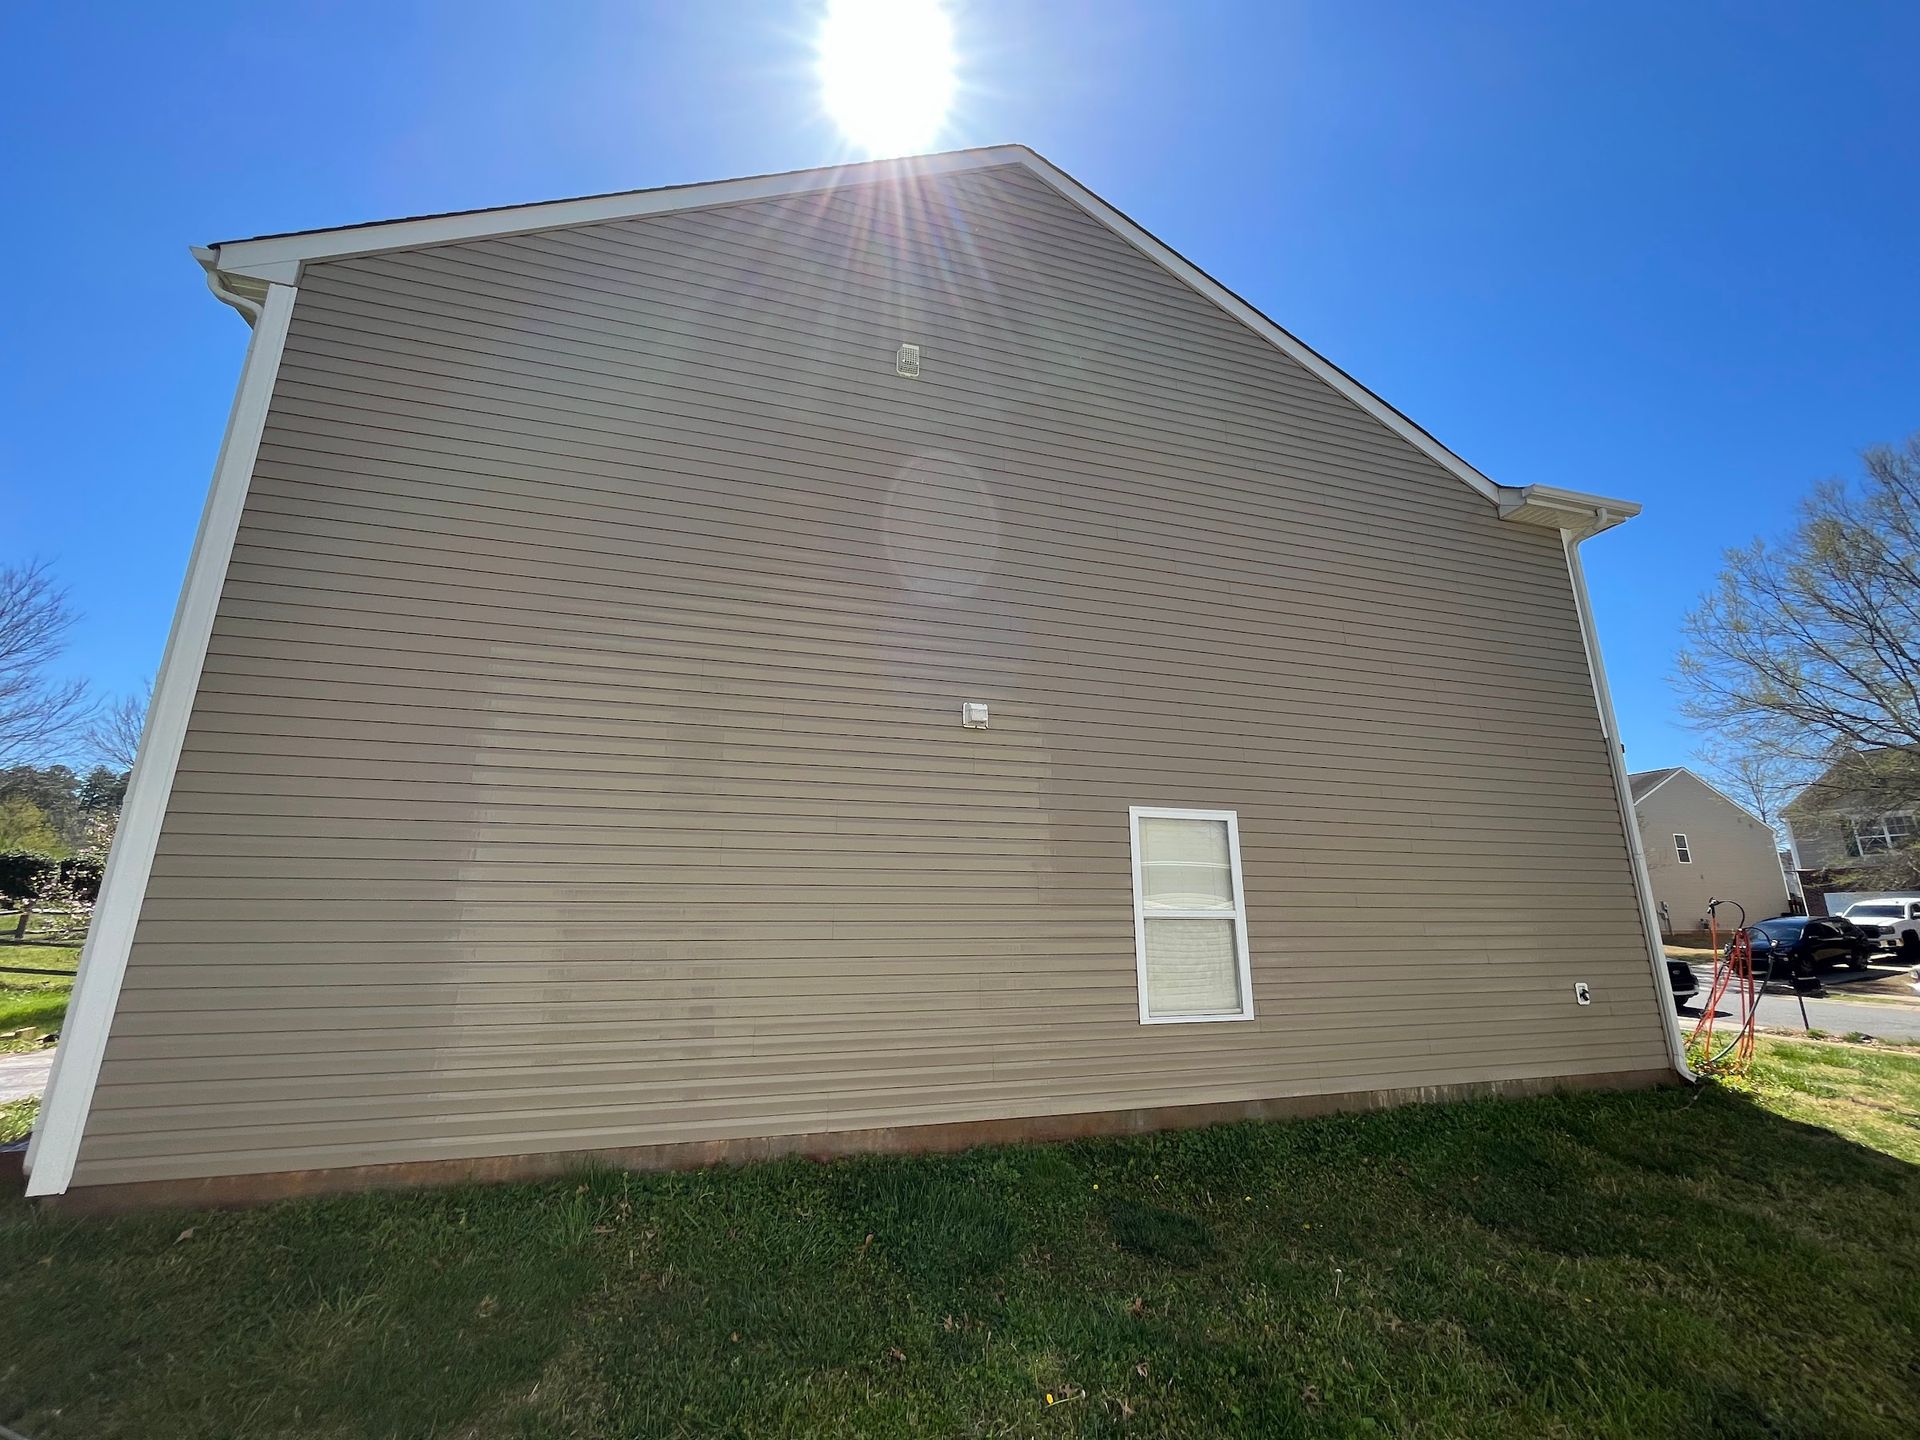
(1888, 1016)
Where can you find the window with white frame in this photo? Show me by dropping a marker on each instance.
(1682, 849)
(1189, 916)
(1878, 834)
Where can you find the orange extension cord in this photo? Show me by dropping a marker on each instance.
(1733, 970)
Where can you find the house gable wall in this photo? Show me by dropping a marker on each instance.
(1734, 856)
(578, 758)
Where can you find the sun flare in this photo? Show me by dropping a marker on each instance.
(886, 72)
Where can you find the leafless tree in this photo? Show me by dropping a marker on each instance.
(114, 735)
(38, 713)
(1806, 653)
(1760, 781)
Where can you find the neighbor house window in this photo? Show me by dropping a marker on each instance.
(1682, 849)
(1189, 916)
(1877, 834)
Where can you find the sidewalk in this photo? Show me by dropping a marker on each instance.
(24, 1075)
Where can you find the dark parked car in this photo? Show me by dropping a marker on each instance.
(1808, 944)
(1680, 980)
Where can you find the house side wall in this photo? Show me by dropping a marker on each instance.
(1821, 838)
(578, 761)
(1735, 857)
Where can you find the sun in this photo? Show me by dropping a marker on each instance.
(886, 72)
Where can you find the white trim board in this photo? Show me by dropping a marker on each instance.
(243, 265)
(103, 963)
(1623, 796)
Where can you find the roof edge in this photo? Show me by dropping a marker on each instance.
(268, 257)
(1554, 507)
(1675, 771)
(240, 270)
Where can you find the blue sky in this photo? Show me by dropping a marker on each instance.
(1665, 251)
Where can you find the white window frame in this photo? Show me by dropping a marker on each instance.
(1682, 849)
(1238, 914)
(1871, 834)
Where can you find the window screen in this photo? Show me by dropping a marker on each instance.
(1190, 916)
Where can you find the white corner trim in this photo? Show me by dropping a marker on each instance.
(1316, 364)
(1623, 796)
(103, 963)
(1238, 915)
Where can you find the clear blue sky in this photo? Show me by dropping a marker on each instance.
(1667, 251)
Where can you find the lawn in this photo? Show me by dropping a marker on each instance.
(34, 1001)
(1710, 1263)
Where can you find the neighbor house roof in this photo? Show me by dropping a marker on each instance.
(239, 272)
(1644, 782)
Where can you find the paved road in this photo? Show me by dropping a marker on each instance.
(24, 1075)
(1834, 1015)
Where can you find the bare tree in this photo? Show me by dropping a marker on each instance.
(114, 735)
(1806, 654)
(1760, 781)
(38, 713)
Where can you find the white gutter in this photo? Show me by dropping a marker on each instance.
(1623, 794)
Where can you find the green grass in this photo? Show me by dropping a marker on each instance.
(17, 1117)
(1670, 1263)
(1869, 1094)
(34, 1001)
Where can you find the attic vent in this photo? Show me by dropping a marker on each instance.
(907, 362)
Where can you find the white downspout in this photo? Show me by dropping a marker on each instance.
(1623, 794)
(250, 310)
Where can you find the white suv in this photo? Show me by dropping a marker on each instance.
(1895, 919)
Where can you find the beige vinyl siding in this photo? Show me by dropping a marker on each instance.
(578, 758)
(1735, 857)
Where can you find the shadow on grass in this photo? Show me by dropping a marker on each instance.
(1635, 1265)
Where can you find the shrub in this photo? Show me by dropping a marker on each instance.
(23, 873)
(80, 876)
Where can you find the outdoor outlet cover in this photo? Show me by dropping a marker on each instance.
(1582, 993)
(907, 362)
(973, 715)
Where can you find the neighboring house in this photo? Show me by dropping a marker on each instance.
(1834, 822)
(1700, 847)
(884, 656)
